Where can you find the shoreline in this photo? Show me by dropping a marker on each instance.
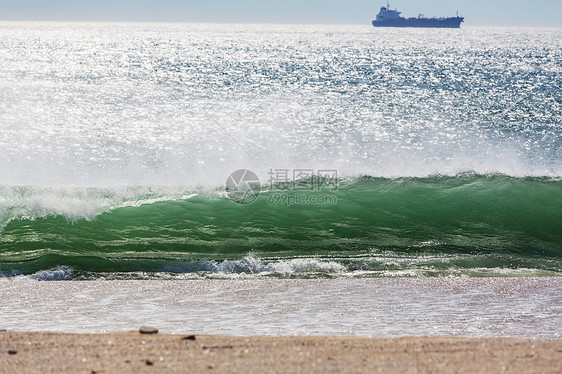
(46, 352)
(379, 307)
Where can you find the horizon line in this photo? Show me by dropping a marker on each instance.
(248, 23)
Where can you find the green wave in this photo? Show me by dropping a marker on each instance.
(478, 221)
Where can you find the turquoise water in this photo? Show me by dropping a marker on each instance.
(467, 224)
(117, 141)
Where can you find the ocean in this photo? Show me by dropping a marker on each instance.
(281, 153)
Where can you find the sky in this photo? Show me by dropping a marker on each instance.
(536, 13)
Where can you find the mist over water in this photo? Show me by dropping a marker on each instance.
(153, 104)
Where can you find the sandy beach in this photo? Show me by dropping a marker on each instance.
(41, 352)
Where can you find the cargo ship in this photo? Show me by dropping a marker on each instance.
(392, 18)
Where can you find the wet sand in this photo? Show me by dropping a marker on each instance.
(46, 352)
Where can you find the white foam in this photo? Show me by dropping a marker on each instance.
(58, 274)
(250, 265)
(80, 203)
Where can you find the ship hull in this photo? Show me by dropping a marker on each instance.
(448, 23)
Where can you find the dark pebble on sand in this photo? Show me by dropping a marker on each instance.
(148, 330)
(12, 352)
(189, 337)
(149, 363)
